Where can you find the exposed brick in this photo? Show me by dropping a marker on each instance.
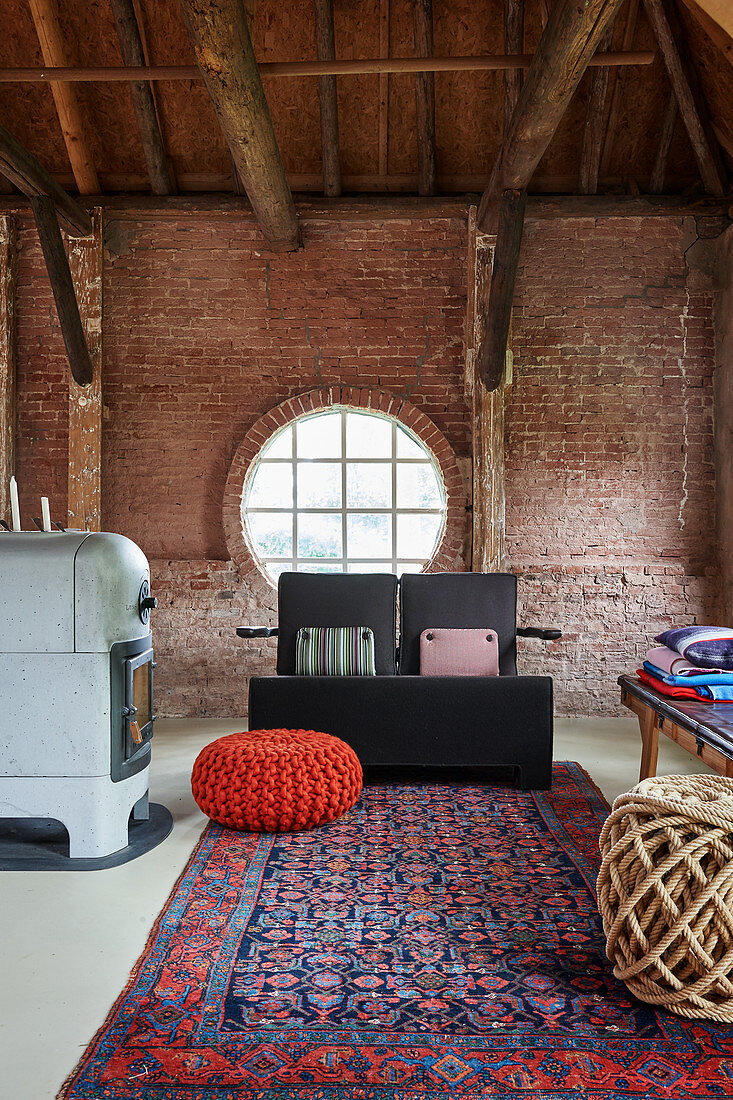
(609, 474)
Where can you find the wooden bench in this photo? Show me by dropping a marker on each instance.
(704, 729)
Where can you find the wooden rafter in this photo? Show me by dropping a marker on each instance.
(328, 99)
(143, 102)
(666, 132)
(7, 359)
(616, 88)
(78, 146)
(594, 130)
(30, 177)
(383, 136)
(513, 43)
(720, 12)
(427, 172)
(67, 308)
(568, 42)
(221, 42)
(384, 65)
(567, 45)
(715, 32)
(692, 108)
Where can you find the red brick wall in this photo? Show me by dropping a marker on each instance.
(204, 333)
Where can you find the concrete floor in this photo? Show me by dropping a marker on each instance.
(70, 940)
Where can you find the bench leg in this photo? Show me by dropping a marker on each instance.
(649, 743)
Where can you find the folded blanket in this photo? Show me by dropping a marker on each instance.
(670, 661)
(678, 691)
(707, 646)
(673, 690)
(706, 677)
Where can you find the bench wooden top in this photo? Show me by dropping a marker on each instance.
(712, 723)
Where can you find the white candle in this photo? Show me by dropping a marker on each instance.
(46, 513)
(14, 506)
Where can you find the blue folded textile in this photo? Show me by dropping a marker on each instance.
(705, 679)
(717, 694)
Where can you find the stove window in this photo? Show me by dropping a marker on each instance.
(141, 694)
(344, 491)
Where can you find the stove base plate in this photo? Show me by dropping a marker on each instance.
(41, 844)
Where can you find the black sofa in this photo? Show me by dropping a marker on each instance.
(399, 718)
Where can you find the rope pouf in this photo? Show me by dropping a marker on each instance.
(665, 893)
(276, 781)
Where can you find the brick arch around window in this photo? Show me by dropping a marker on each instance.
(450, 552)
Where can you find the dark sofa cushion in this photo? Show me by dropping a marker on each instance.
(457, 600)
(337, 599)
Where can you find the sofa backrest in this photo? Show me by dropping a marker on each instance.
(338, 599)
(458, 600)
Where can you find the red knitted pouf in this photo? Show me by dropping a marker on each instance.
(276, 781)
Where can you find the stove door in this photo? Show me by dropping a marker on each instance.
(138, 708)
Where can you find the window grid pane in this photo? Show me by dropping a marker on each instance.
(380, 534)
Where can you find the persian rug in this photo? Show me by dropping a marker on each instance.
(438, 941)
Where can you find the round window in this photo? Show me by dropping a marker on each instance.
(343, 491)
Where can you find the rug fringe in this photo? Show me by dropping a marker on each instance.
(592, 783)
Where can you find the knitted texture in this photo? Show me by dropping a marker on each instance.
(276, 781)
(665, 892)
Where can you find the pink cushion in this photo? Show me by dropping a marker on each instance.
(454, 652)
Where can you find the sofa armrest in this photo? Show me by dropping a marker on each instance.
(257, 631)
(547, 634)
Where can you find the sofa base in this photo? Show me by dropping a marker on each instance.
(420, 721)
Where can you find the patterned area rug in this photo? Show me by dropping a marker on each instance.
(439, 941)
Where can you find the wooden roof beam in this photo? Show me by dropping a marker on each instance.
(513, 43)
(220, 38)
(78, 147)
(615, 88)
(573, 32)
(720, 12)
(67, 307)
(30, 177)
(479, 63)
(692, 108)
(718, 36)
(666, 133)
(143, 103)
(328, 100)
(427, 172)
(593, 131)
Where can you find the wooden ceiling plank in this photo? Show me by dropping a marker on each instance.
(717, 35)
(656, 180)
(616, 87)
(221, 42)
(67, 307)
(513, 44)
(491, 359)
(692, 108)
(78, 147)
(328, 100)
(594, 131)
(143, 102)
(30, 177)
(427, 172)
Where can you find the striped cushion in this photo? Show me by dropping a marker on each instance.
(335, 651)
